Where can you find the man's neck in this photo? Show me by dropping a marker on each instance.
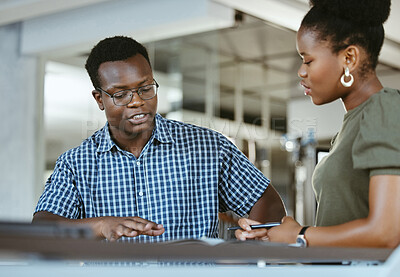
(133, 143)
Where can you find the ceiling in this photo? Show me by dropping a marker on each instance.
(265, 52)
(12, 11)
(258, 57)
(252, 43)
(289, 13)
(265, 55)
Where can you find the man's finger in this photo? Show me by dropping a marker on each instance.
(154, 233)
(127, 231)
(244, 224)
(137, 225)
(256, 233)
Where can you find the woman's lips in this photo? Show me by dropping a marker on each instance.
(307, 90)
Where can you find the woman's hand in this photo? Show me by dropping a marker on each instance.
(286, 232)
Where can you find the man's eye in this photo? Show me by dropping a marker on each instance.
(144, 90)
(147, 90)
(120, 95)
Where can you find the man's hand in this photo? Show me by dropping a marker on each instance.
(113, 228)
(108, 227)
(247, 233)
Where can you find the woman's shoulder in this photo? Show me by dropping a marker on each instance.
(377, 144)
(384, 103)
(387, 95)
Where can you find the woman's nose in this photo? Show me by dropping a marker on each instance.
(302, 73)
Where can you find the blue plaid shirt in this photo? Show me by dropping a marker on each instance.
(183, 177)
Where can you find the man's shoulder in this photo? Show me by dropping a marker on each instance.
(88, 147)
(188, 134)
(179, 127)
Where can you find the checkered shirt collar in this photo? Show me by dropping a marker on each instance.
(160, 133)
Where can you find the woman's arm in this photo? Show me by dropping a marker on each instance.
(380, 229)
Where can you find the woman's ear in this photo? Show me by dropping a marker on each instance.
(97, 96)
(351, 57)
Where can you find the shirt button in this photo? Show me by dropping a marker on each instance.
(138, 163)
(140, 193)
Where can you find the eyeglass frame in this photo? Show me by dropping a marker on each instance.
(133, 90)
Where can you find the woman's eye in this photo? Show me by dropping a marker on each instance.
(307, 62)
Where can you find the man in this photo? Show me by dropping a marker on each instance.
(144, 177)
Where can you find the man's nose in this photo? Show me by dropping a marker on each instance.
(136, 100)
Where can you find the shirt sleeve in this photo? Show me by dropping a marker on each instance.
(60, 195)
(377, 146)
(241, 184)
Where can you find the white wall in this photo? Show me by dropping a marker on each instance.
(21, 152)
(326, 120)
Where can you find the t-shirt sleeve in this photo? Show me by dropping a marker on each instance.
(377, 146)
(241, 184)
(60, 195)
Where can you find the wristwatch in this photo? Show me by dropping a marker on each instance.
(301, 239)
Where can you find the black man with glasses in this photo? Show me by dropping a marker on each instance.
(146, 178)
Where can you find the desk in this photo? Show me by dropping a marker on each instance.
(22, 255)
(63, 257)
(55, 269)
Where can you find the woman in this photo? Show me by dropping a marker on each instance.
(357, 185)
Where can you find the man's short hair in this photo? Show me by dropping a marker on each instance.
(112, 49)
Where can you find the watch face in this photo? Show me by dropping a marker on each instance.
(301, 241)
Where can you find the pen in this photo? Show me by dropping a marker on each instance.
(257, 226)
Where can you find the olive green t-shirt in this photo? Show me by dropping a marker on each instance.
(368, 144)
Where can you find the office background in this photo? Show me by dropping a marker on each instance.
(230, 65)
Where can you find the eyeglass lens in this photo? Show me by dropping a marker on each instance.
(124, 97)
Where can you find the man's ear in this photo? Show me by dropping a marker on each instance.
(97, 96)
(351, 57)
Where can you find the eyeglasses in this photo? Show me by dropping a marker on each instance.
(124, 97)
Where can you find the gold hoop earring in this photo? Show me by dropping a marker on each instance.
(347, 74)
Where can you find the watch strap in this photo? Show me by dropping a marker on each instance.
(301, 239)
(303, 230)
